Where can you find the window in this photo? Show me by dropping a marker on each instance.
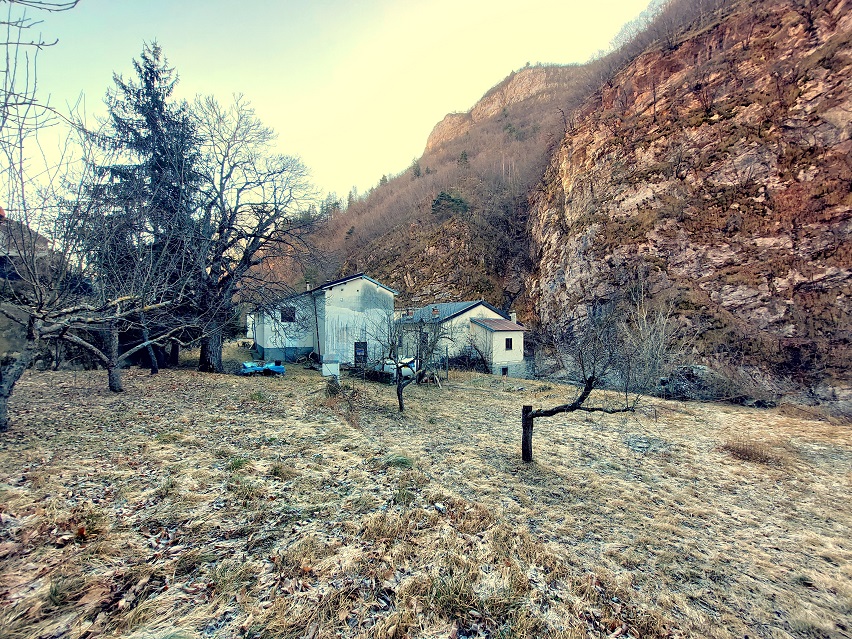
(508, 343)
(288, 314)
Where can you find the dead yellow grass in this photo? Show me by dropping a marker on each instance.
(216, 506)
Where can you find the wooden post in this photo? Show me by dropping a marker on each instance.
(526, 435)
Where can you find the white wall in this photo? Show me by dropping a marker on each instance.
(353, 310)
(338, 317)
(493, 347)
(271, 333)
(499, 354)
(460, 328)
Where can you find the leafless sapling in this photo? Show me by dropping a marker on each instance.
(623, 347)
(398, 337)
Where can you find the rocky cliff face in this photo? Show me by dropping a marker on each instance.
(718, 171)
(542, 83)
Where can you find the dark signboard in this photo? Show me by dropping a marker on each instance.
(360, 352)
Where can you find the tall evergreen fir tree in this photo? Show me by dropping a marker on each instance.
(147, 190)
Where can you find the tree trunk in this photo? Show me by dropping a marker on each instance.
(4, 414)
(9, 376)
(113, 369)
(526, 434)
(155, 365)
(210, 360)
(174, 355)
(400, 386)
(114, 377)
(152, 356)
(160, 353)
(57, 352)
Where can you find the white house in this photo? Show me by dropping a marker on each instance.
(327, 321)
(466, 327)
(502, 341)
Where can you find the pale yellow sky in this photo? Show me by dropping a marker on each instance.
(353, 88)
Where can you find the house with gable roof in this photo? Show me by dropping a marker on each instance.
(468, 327)
(501, 341)
(325, 321)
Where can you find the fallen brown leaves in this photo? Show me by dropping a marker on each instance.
(216, 506)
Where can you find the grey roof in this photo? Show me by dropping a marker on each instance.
(446, 311)
(497, 324)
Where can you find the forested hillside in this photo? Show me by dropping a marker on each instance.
(707, 158)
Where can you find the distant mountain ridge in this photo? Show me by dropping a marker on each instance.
(542, 82)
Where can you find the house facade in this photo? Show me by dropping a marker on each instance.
(502, 342)
(327, 321)
(465, 328)
(19, 243)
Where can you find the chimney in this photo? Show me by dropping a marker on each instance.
(435, 312)
(307, 286)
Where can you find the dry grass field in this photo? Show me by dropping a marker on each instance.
(204, 506)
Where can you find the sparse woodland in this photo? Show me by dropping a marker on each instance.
(156, 224)
(670, 218)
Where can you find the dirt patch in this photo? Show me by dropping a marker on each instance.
(216, 506)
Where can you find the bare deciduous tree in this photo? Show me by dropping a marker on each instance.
(20, 108)
(254, 215)
(27, 260)
(52, 288)
(624, 346)
(481, 351)
(131, 257)
(395, 336)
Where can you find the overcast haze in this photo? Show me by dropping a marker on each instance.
(354, 88)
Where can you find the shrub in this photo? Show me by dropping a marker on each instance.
(751, 451)
(397, 461)
(282, 471)
(236, 463)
